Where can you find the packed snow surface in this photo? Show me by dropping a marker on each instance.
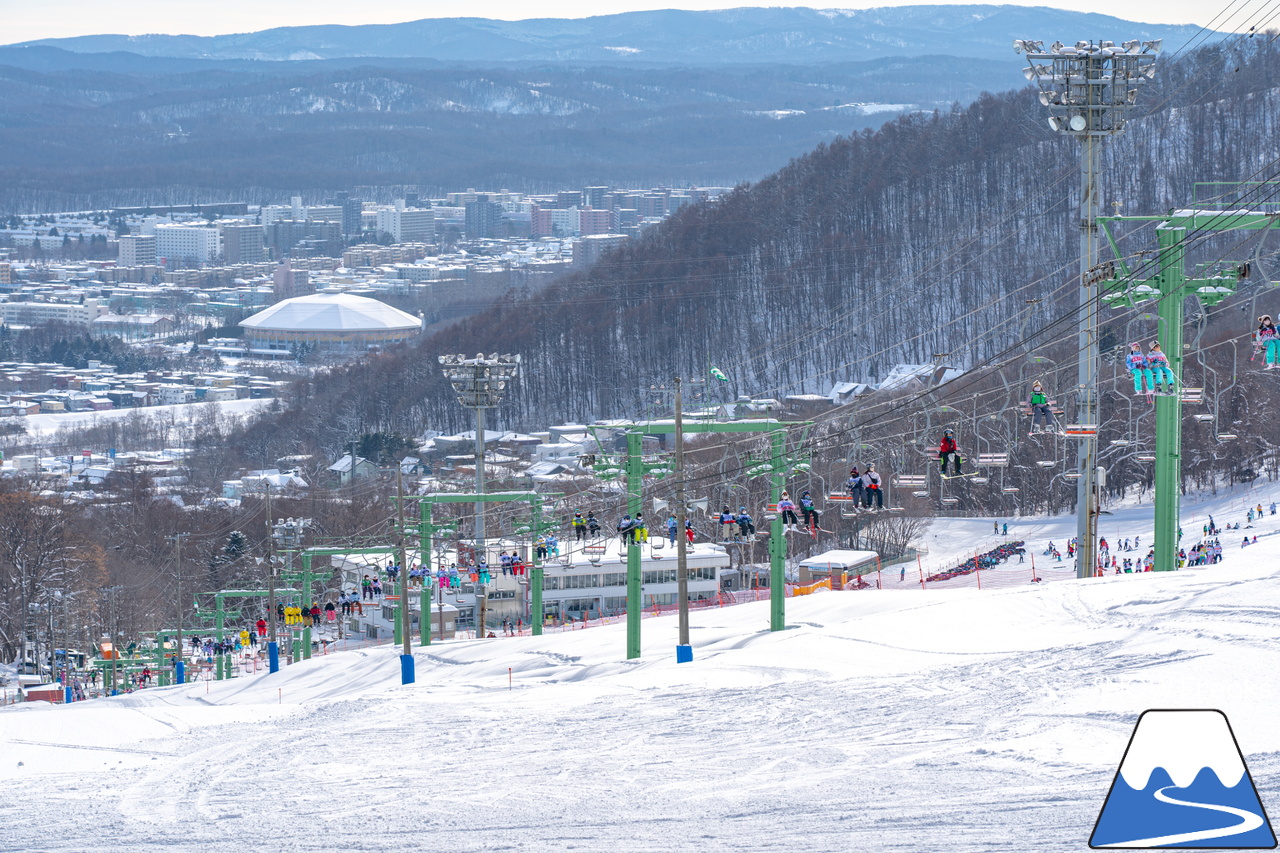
(882, 720)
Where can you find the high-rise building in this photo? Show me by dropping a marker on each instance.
(288, 282)
(596, 222)
(406, 224)
(351, 219)
(186, 244)
(243, 243)
(594, 197)
(483, 219)
(590, 249)
(284, 234)
(566, 200)
(137, 250)
(6, 273)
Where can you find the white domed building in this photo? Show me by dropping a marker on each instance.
(332, 322)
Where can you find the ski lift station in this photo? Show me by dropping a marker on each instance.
(837, 563)
(583, 582)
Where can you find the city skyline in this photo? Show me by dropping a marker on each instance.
(207, 17)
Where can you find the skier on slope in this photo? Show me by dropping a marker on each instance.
(947, 450)
(1039, 402)
(1141, 370)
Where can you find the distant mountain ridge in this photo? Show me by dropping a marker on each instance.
(755, 35)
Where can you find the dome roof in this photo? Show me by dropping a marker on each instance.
(332, 312)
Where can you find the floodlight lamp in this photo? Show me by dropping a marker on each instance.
(1019, 45)
(1082, 45)
(1108, 44)
(1029, 72)
(1132, 46)
(1078, 122)
(1053, 123)
(1056, 46)
(1153, 46)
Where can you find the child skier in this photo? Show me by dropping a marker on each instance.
(1267, 340)
(947, 450)
(1039, 402)
(746, 527)
(593, 524)
(1141, 370)
(1159, 369)
(579, 527)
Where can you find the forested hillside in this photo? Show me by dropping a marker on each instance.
(926, 238)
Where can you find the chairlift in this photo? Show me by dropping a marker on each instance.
(1227, 436)
(1121, 442)
(595, 553)
(1203, 417)
(950, 501)
(1009, 490)
(1047, 463)
(921, 494)
(1071, 475)
(1145, 457)
(979, 481)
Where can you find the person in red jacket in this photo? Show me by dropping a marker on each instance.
(261, 625)
(948, 450)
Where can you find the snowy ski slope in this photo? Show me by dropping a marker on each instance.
(938, 720)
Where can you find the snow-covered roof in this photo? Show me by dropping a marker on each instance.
(839, 559)
(332, 312)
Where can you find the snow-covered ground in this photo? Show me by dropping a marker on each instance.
(937, 720)
(47, 425)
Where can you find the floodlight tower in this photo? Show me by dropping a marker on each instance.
(1090, 90)
(480, 384)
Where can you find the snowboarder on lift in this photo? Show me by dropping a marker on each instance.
(1160, 372)
(947, 449)
(1040, 411)
(1141, 370)
(1267, 340)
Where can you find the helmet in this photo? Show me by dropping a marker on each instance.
(871, 467)
(948, 431)
(805, 493)
(1155, 345)
(1135, 346)
(742, 509)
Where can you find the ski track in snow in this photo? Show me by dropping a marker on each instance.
(950, 720)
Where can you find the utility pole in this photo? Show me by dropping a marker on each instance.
(406, 655)
(684, 650)
(1089, 90)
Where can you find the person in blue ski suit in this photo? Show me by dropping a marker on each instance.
(1137, 365)
(1267, 340)
(746, 526)
(1159, 367)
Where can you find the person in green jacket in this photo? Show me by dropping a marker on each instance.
(1040, 410)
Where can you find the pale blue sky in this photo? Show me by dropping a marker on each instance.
(22, 20)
